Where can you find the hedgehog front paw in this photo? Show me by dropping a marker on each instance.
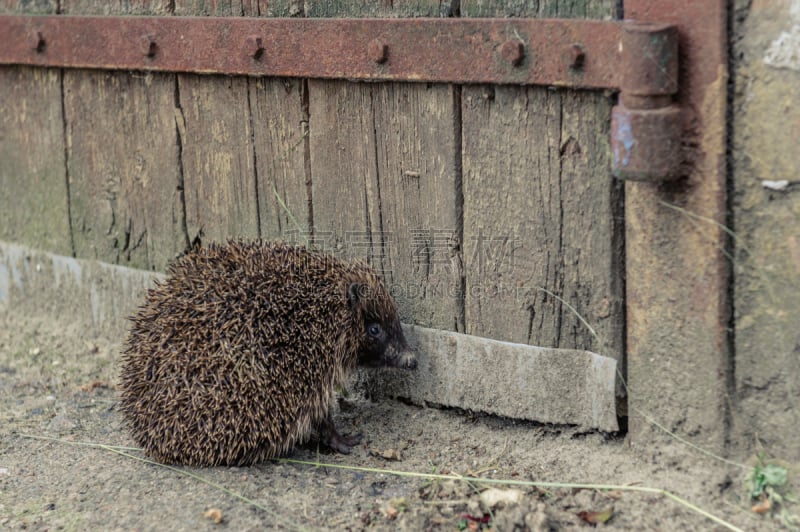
(338, 442)
(344, 443)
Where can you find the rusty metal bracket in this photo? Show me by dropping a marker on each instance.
(518, 51)
(641, 61)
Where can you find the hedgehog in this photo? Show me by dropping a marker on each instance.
(233, 359)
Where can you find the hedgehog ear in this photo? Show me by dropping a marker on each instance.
(354, 293)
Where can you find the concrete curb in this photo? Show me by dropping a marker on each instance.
(514, 380)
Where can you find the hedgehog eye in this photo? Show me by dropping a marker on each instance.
(374, 330)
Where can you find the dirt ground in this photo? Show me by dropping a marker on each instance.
(57, 383)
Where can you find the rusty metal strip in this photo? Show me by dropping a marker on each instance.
(568, 53)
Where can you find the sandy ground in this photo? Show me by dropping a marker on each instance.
(57, 383)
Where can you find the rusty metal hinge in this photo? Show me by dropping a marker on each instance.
(646, 125)
(638, 60)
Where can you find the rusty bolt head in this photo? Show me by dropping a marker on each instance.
(36, 41)
(513, 51)
(148, 45)
(254, 46)
(378, 51)
(575, 56)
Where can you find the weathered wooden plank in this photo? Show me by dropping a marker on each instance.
(181, 159)
(539, 208)
(385, 188)
(343, 166)
(41, 7)
(33, 201)
(128, 7)
(122, 160)
(598, 9)
(244, 8)
(386, 182)
(217, 145)
(280, 138)
(382, 8)
(242, 141)
(418, 170)
(221, 8)
(541, 212)
(217, 156)
(202, 150)
(34, 207)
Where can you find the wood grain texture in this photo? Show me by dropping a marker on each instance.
(122, 161)
(242, 145)
(280, 138)
(33, 201)
(386, 183)
(384, 188)
(596, 9)
(34, 205)
(217, 155)
(220, 8)
(126, 7)
(122, 157)
(542, 215)
(378, 8)
(40, 7)
(239, 8)
(343, 167)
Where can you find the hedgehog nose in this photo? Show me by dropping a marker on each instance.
(409, 360)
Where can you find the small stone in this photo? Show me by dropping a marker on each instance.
(214, 514)
(495, 497)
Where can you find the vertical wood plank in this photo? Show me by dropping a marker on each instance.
(125, 198)
(542, 215)
(280, 138)
(217, 155)
(419, 199)
(221, 8)
(42, 7)
(242, 140)
(386, 179)
(34, 203)
(380, 8)
(128, 7)
(343, 165)
(122, 159)
(594, 9)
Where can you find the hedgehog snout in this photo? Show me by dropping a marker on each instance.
(410, 361)
(400, 356)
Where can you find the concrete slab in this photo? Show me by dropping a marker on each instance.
(562, 386)
(520, 381)
(99, 295)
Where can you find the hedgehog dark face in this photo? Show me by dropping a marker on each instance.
(382, 340)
